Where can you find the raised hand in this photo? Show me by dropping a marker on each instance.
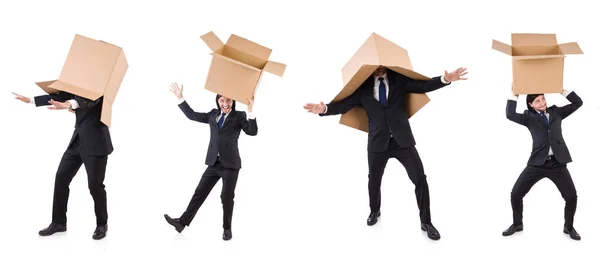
(176, 90)
(512, 89)
(250, 103)
(22, 98)
(315, 108)
(455, 75)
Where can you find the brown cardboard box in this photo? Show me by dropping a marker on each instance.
(376, 51)
(537, 62)
(93, 69)
(237, 66)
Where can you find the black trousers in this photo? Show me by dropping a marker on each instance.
(557, 173)
(409, 157)
(95, 167)
(209, 179)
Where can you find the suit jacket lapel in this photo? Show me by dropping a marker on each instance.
(393, 93)
(552, 115)
(212, 119)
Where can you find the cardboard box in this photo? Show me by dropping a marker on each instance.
(376, 51)
(537, 62)
(237, 66)
(93, 69)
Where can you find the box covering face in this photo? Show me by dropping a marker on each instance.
(92, 69)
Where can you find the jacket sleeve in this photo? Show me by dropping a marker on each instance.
(569, 109)
(58, 96)
(190, 114)
(512, 115)
(249, 126)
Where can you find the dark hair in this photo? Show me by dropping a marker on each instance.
(219, 107)
(530, 98)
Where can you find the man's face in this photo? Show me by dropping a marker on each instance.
(539, 104)
(225, 104)
(380, 71)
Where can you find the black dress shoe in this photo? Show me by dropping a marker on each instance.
(174, 222)
(432, 232)
(227, 234)
(52, 228)
(373, 218)
(572, 233)
(100, 232)
(512, 229)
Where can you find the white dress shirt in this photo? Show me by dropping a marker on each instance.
(564, 93)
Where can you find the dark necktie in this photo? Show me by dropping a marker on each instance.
(382, 95)
(545, 119)
(220, 122)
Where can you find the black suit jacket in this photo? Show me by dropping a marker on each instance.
(392, 118)
(224, 141)
(94, 135)
(543, 137)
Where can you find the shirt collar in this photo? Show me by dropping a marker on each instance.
(384, 77)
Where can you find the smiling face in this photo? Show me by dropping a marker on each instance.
(539, 103)
(225, 104)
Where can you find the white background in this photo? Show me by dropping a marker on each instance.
(301, 201)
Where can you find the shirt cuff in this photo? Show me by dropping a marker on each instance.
(325, 109)
(566, 92)
(74, 104)
(32, 101)
(443, 80)
(180, 101)
(250, 115)
(513, 97)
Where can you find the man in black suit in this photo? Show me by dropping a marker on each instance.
(90, 145)
(549, 156)
(223, 157)
(383, 96)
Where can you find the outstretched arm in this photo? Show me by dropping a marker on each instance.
(57, 101)
(60, 96)
(190, 114)
(185, 107)
(424, 86)
(334, 108)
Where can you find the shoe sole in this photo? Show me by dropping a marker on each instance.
(376, 219)
(518, 230)
(60, 230)
(430, 237)
(576, 239)
(99, 238)
(170, 220)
